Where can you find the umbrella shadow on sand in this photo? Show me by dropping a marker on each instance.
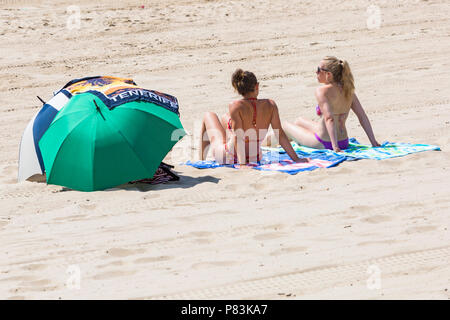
(185, 182)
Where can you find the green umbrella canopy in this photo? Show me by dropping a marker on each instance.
(90, 147)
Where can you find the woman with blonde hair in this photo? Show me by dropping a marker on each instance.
(237, 136)
(335, 98)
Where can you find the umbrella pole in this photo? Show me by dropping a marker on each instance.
(43, 102)
(98, 109)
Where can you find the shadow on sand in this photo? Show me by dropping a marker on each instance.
(185, 182)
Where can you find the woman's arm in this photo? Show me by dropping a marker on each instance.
(328, 117)
(283, 139)
(238, 132)
(364, 120)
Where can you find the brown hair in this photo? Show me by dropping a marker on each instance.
(243, 81)
(340, 69)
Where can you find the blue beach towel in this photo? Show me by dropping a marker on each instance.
(273, 160)
(276, 159)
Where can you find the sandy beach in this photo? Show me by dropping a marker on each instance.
(365, 229)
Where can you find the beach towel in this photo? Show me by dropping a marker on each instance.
(272, 160)
(276, 159)
(357, 151)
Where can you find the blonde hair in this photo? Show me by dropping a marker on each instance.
(340, 69)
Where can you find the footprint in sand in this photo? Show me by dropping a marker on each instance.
(3, 223)
(202, 241)
(360, 208)
(151, 197)
(112, 274)
(209, 264)
(17, 195)
(442, 201)
(421, 68)
(302, 224)
(258, 186)
(231, 187)
(16, 298)
(345, 170)
(377, 219)
(119, 252)
(409, 205)
(368, 243)
(9, 171)
(76, 217)
(275, 227)
(19, 278)
(35, 266)
(420, 229)
(112, 263)
(36, 286)
(268, 236)
(36, 283)
(153, 259)
(288, 250)
(200, 233)
(87, 206)
(224, 212)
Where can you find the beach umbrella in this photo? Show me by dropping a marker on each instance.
(112, 90)
(30, 159)
(93, 144)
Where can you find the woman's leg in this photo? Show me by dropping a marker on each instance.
(204, 141)
(212, 134)
(224, 121)
(307, 124)
(301, 135)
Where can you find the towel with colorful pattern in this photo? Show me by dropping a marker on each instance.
(276, 159)
(357, 151)
(273, 160)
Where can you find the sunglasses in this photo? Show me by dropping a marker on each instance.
(321, 69)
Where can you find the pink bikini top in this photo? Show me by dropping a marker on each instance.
(319, 113)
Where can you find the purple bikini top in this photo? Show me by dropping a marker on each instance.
(319, 113)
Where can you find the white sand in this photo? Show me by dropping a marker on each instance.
(227, 233)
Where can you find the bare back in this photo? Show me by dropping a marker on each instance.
(340, 107)
(253, 134)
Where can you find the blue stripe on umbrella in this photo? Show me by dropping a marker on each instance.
(40, 125)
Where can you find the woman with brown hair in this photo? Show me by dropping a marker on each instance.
(237, 136)
(335, 100)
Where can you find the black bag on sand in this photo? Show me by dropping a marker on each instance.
(162, 175)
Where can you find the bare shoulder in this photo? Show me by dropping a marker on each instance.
(270, 104)
(268, 107)
(323, 91)
(235, 105)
